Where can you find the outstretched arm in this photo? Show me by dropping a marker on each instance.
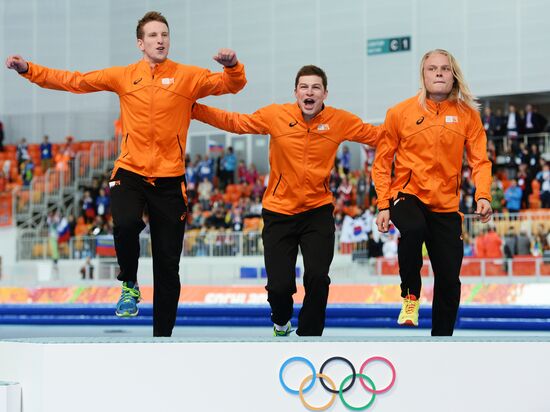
(231, 80)
(231, 121)
(74, 82)
(360, 132)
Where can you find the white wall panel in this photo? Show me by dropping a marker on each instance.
(502, 46)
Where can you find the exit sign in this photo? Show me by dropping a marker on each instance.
(390, 45)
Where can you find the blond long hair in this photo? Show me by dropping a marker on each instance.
(460, 91)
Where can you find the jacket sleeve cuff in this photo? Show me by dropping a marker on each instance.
(238, 67)
(383, 204)
(27, 74)
(484, 196)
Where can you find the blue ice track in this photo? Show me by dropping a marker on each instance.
(480, 317)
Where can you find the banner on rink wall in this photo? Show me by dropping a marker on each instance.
(521, 294)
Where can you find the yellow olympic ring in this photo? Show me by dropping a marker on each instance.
(317, 408)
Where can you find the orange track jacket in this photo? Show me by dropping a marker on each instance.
(301, 154)
(155, 106)
(428, 146)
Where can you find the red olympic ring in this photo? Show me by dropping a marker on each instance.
(364, 365)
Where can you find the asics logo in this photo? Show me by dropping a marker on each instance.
(138, 80)
(419, 121)
(294, 123)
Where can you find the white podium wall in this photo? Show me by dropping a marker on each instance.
(89, 375)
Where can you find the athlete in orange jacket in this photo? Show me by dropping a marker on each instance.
(425, 137)
(297, 204)
(156, 96)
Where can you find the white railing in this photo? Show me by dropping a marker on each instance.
(238, 244)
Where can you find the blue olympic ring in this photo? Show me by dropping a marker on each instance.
(297, 359)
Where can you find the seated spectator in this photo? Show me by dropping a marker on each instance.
(217, 219)
(256, 207)
(205, 192)
(236, 219)
(197, 217)
(98, 227)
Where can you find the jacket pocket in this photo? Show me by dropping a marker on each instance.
(126, 150)
(278, 183)
(179, 144)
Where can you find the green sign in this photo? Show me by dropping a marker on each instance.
(391, 45)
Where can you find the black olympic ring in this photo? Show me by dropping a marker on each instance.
(347, 388)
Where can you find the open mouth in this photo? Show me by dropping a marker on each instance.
(309, 103)
(160, 48)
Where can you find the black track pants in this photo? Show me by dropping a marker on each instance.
(313, 232)
(165, 202)
(442, 233)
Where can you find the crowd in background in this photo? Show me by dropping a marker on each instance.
(224, 193)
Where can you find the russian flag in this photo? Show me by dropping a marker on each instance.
(214, 146)
(63, 232)
(105, 246)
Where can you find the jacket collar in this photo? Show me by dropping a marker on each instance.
(159, 68)
(435, 107)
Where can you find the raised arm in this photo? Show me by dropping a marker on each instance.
(74, 82)
(231, 121)
(231, 80)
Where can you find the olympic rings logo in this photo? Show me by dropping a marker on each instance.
(366, 382)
